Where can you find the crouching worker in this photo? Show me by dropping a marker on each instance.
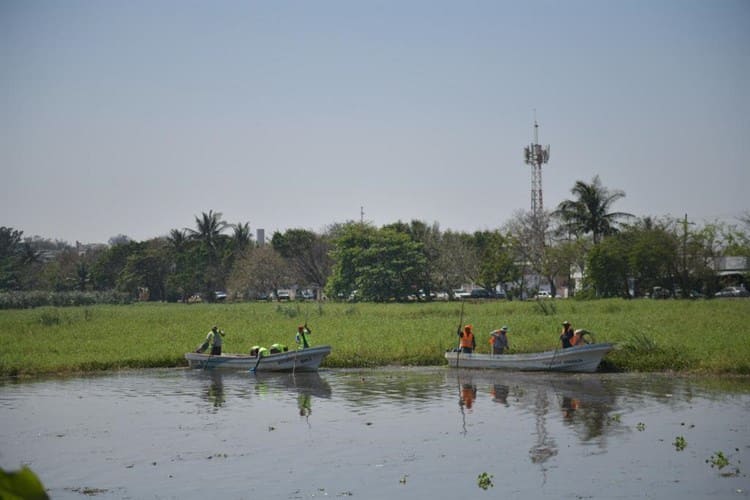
(277, 348)
(258, 351)
(578, 339)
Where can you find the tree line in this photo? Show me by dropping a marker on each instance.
(582, 245)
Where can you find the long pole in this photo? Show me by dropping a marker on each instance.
(460, 322)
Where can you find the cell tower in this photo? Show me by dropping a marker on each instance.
(536, 156)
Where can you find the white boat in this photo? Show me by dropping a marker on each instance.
(301, 360)
(585, 358)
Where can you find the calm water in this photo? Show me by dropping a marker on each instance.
(373, 434)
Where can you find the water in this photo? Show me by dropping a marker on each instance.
(373, 434)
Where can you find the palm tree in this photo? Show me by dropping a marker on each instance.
(589, 213)
(209, 227)
(177, 239)
(241, 237)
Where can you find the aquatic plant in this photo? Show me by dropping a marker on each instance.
(641, 426)
(719, 461)
(680, 443)
(484, 480)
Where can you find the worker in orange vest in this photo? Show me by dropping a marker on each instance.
(577, 338)
(466, 340)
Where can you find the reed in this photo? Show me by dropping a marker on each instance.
(709, 336)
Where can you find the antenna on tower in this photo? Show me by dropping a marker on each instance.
(536, 155)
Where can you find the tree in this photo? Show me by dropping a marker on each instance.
(241, 237)
(527, 233)
(381, 264)
(653, 256)
(208, 232)
(106, 268)
(209, 227)
(307, 253)
(11, 258)
(259, 271)
(607, 268)
(348, 240)
(496, 264)
(455, 263)
(148, 269)
(390, 267)
(428, 237)
(590, 211)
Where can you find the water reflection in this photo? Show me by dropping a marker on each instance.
(584, 405)
(373, 428)
(215, 391)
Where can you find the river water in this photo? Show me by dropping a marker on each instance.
(393, 433)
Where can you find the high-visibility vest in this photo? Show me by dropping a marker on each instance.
(467, 339)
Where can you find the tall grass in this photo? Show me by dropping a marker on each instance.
(701, 336)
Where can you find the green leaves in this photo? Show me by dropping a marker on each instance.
(21, 485)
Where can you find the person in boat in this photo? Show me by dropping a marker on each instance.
(466, 341)
(301, 338)
(214, 338)
(499, 340)
(566, 335)
(578, 338)
(258, 350)
(277, 348)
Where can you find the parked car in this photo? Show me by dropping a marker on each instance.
(461, 294)
(481, 293)
(660, 293)
(732, 291)
(543, 294)
(220, 295)
(283, 295)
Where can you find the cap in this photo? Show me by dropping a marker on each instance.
(566, 322)
(468, 328)
(504, 329)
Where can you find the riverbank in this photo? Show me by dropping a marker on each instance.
(705, 336)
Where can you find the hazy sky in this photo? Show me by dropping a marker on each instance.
(133, 117)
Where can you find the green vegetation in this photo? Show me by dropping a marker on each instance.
(680, 443)
(685, 336)
(484, 480)
(720, 461)
(21, 484)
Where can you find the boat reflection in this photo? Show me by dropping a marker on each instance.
(305, 386)
(584, 404)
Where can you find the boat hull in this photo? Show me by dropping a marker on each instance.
(302, 360)
(584, 359)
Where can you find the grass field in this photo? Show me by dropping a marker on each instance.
(688, 336)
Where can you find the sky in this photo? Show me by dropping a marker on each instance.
(136, 117)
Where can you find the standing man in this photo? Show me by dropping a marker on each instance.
(466, 340)
(499, 340)
(566, 335)
(215, 338)
(302, 332)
